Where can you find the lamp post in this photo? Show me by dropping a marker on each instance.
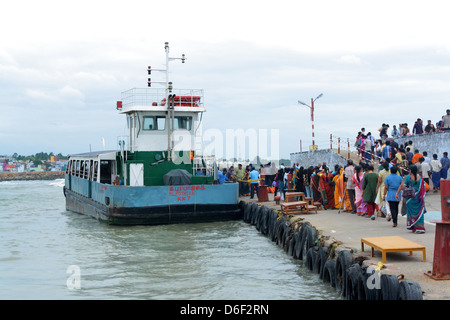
(313, 147)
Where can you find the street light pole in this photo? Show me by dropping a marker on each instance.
(313, 147)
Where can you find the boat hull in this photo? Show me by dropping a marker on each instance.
(122, 205)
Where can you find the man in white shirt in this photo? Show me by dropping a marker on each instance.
(426, 170)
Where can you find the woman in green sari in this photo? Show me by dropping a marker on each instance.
(415, 206)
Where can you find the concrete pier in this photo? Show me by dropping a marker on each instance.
(348, 229)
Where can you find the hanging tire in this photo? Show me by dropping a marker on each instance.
(343, 261)
(310, 258)
(309, 239)
(353, 273)
(247, 210)
(301, 239)
(321, 259)
(329, 272)
(389, 287)
(264, 220)
(366, 292)
(255, 213)
(292, 244)
(296, 245)
(409, 290)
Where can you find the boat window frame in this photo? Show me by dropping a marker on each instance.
(176, 123)
(156, 123)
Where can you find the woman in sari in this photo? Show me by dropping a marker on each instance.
(380, 187)
(361, 208)
(341, 199)
(326, 191)
(315, 186)
(415, 206)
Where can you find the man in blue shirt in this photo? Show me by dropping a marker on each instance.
(391, 185)
(221, 176)
(445, 164)
(254, 182)
(386, 153)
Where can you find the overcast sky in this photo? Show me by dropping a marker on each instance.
(63, 66)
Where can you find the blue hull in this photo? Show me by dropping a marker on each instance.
(153, 204)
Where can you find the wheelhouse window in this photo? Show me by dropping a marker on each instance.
(183, 122)
(154, 123)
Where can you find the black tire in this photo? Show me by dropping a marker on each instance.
(255, 214)
(329, 272)
(343, 261)
(292, 244)
(309, 239)
(366, 292)
(301, 240)
(353, 273)
(264, 220)
(321, 259)
(297, 244)
(389, 287)
(247, 211)
(409, 290)
(287, 235)
(310, 258)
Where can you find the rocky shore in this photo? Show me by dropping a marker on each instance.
(45, 175)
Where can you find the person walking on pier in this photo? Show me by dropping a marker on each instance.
(361, 208)
(415, 206)
(349, 171)
(391, 185)
(436, 168)
(254, 183)
(369, 186)
(445, 162)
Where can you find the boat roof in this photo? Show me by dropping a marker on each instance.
(105, 155)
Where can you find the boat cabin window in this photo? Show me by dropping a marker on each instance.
(105, 171)
(183, 122)
(154, 123)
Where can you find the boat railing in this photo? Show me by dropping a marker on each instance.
(157, 97)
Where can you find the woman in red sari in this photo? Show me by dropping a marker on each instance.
(326, 190)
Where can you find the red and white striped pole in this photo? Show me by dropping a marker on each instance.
(312, 121)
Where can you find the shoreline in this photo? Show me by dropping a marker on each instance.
(23, 176)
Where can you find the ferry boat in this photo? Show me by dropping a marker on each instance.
(156, 175)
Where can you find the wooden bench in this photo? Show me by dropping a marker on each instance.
(291, 196)
(392, 244)
(294, 207)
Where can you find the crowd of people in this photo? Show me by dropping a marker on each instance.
(386, 176)
(367, 189)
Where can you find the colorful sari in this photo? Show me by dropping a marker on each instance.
(382, 174)
(341, 199)
(315, 189)
(326, 191)
(415, 207)
(361, 206)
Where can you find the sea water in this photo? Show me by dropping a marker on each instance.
(47, 252)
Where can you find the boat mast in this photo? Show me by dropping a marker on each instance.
(170, 102)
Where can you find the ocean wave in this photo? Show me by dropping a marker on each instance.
(57, 183)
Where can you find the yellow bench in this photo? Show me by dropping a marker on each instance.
(294, 207)
(392, 244)
(291, 196)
